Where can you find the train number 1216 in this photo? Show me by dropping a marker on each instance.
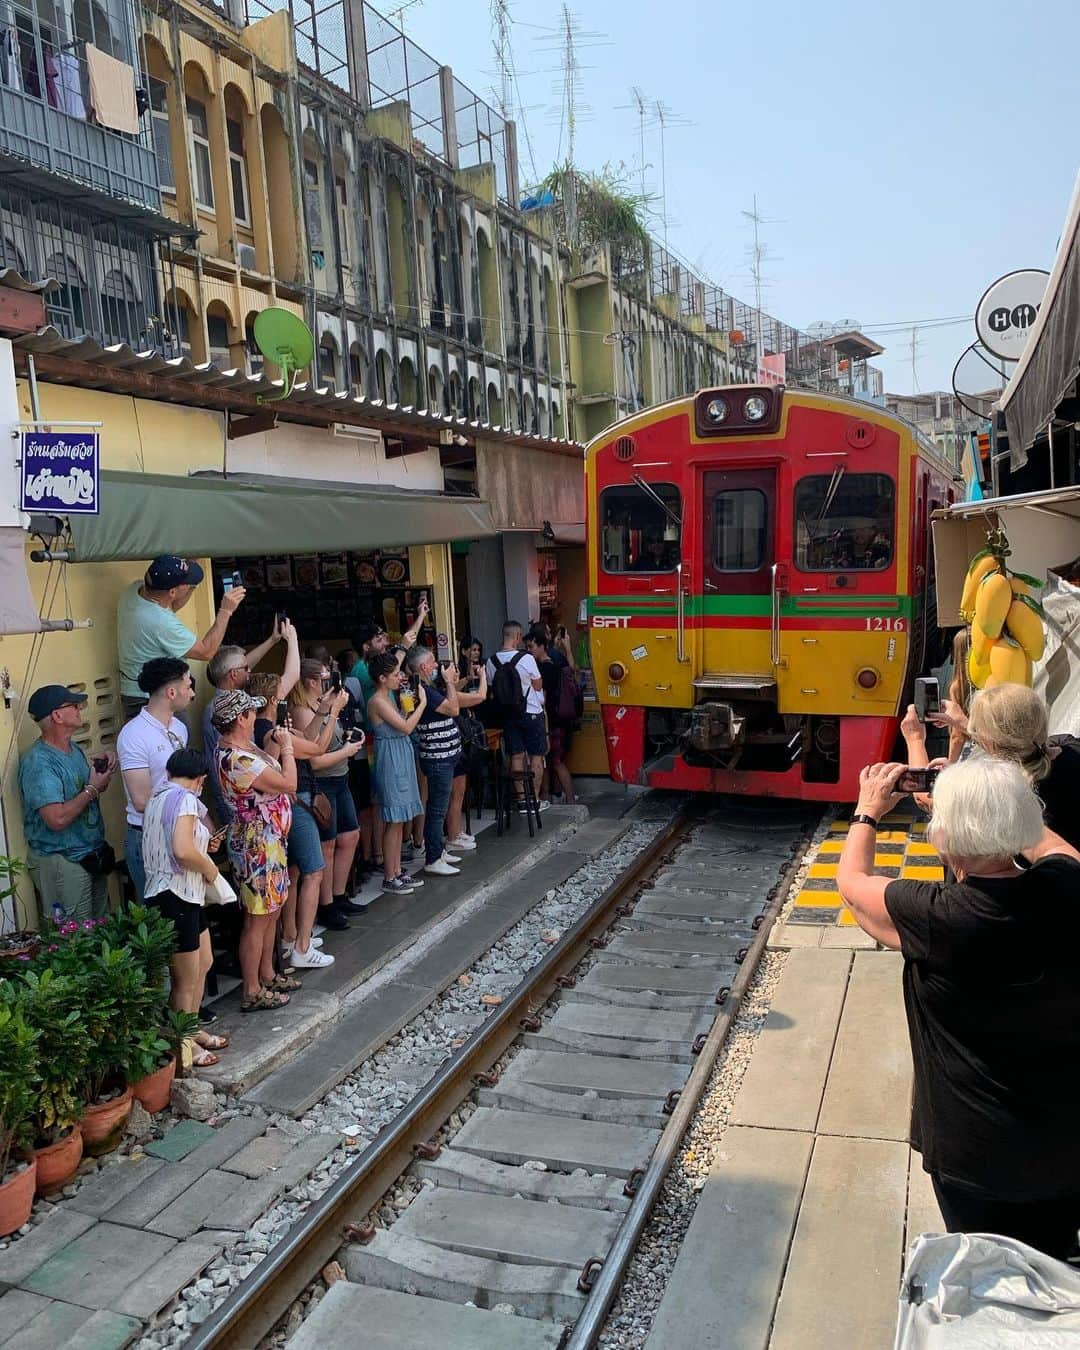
(881, 625)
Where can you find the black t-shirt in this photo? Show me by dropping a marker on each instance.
(992, 993)
(1060, 790)
(550, 678)
(437, 732)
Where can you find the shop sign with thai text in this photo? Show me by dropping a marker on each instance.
(60, 472)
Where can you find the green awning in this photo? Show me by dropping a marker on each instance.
(144, 515)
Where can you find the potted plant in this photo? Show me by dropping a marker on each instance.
(158, 1054)
(18, 1071)
(18, 942)
(51, 1004)
(114, 1010)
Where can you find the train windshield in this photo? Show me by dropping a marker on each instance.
(844, 522)
(641, 528)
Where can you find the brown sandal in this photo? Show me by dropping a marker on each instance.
(264, 1001)
(282, 984)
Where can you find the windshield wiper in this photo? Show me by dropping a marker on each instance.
(649, 491)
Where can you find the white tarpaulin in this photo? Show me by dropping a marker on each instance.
(1057, 676)
(18, 613)
(974, 1291)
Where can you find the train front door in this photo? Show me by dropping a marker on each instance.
(738, 553)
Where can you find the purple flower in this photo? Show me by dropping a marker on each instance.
(23, 957)
(88, 924)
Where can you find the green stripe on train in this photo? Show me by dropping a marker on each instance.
(756, 606)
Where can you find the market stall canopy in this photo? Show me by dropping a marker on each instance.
(1050, 363)
(144, 515)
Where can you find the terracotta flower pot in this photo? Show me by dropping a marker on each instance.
(17, 1199)
(153, 1090)
(57, 1163)
(103, 1124)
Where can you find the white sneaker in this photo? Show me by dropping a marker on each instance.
(312, 959)
(542, 805)
(442, 869)
(287, 948)
(464, 843)
(317, 930)
(450, 858)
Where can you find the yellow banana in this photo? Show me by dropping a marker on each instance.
(1019, 587)
(1025, 627)
(1008, 664)
(980, 645)
(992, 601)
(979, 568)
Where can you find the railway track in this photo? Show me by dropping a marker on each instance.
(539, 1199)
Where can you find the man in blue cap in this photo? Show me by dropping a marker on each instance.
(66, 850)
(147, 626)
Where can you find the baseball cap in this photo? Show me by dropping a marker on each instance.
(49, 697)
(230, 703)
(168, 571)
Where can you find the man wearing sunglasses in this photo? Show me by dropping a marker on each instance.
(68, 857)
(145, 745)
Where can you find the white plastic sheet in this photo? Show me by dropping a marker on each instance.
(18, 612)
(1057, 675)
(975, 1291)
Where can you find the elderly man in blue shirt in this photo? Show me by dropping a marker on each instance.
(68, 857)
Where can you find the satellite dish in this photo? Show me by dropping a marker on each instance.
(286, 340)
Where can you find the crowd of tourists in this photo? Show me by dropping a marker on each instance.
(309, 782)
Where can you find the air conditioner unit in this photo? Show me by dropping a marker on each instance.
(363, 437)
(245, 256)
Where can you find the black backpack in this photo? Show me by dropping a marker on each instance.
(507, 695)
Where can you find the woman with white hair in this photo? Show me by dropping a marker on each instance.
(992, 997)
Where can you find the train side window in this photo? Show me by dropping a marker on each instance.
(740, 517)
(844, 522)
(640, 528)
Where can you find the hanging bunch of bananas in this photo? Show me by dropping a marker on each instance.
(1006, 620)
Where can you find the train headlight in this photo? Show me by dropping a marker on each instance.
(717, 410)
(755, 408)
(867, 678)
(616, 672)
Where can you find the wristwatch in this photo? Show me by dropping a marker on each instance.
(863, 819)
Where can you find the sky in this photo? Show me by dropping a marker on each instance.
(906, 153)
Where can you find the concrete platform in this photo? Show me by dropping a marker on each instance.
(390, 1321)
(798, 1238)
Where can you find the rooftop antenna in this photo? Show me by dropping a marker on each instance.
(759, 255)
(500, 42)
(914, 357)
(570, 38)
(665, 118)
(397, 14)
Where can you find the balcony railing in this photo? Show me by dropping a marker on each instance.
(45, 108)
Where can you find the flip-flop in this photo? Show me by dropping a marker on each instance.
(211, 1042)
(206, 1060)
(264, 1001)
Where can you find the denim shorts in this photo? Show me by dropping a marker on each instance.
(527, 737)
(304, 848)
(342, 806)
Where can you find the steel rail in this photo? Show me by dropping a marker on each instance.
(606, 1284)
(263, 1297)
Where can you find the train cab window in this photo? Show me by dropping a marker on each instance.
(740, 519)
(640, 528)
(844, 522)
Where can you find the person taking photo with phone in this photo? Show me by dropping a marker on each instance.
(396, 788)
(991, 995)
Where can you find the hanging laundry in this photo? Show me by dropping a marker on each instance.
(10, 67)
(112, 91)
(52, 92)
(69, 85)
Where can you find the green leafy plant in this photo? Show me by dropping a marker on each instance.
(115, 1010)
(18, 1073)
(11, 869)
(148, 935)
(51, 1006)
(149, 1052)
(605, 210)
(178, 1027)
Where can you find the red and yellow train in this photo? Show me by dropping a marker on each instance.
(761, 588)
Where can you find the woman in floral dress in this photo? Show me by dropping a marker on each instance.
(256, 787)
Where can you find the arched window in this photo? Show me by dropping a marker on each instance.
(407, 386)
(472, 408)
(513, 411)
(10, 256)
(357, 369)
(384, 376)
(494, 406)
(455, 394)
(69, 304)
(235, 122)
(436, 401)
(218, 324)
(197, 100)
(328, 361)
(254, 356)
(123, 317)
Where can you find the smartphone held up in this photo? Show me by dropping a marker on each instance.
(917, 780)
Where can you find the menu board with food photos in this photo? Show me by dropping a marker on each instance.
(324, 594)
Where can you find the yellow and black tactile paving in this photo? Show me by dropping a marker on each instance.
(901, 851)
